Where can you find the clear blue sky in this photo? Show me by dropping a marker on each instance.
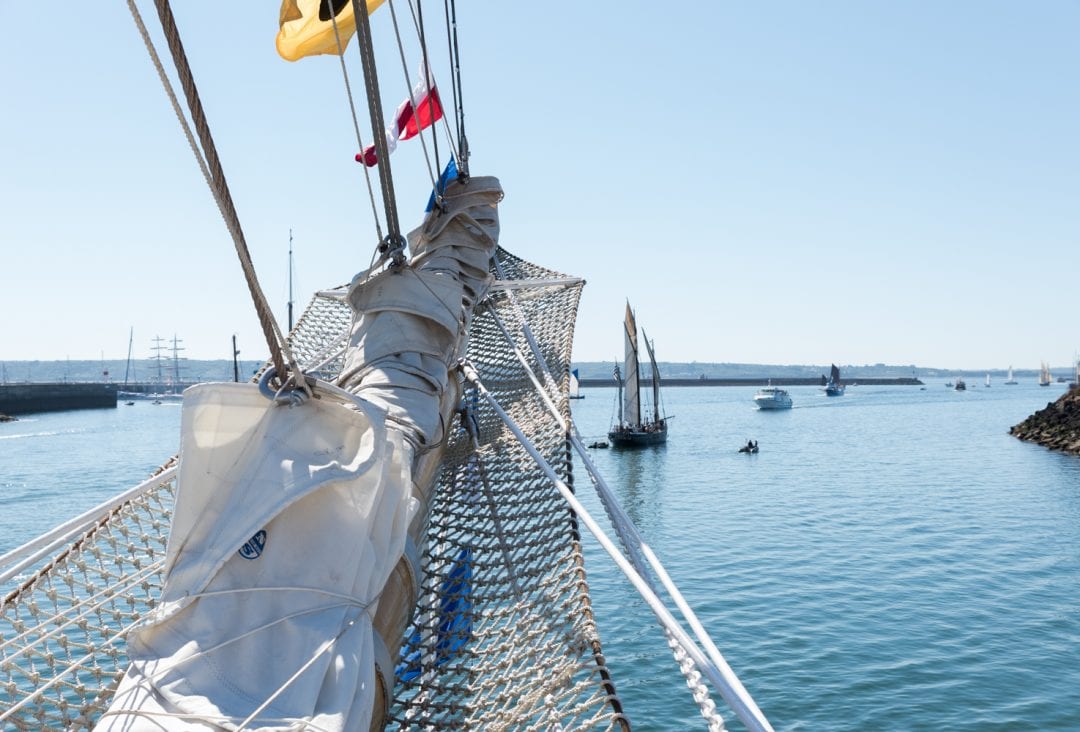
(785, 182)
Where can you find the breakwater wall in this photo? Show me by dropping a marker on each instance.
(1056, 426)
(763, 381)
(30, 398)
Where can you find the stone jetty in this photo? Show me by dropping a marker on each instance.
(1057, 426)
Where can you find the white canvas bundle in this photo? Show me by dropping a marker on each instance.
(288, 522)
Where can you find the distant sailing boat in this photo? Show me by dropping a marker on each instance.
(988, 381)
(1044, 374)
(631, 430)
(575, 386)
(1010, 381)
(833, 387)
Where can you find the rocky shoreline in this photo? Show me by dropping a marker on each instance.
(1057, 426)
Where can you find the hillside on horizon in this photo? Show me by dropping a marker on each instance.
(199, 370)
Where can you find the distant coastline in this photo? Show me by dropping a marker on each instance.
(591, 373)
(763, 381)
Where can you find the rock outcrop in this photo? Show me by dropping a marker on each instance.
(1056, 427)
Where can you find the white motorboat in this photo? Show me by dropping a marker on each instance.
(772, 397)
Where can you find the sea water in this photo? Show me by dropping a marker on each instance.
(890, 560)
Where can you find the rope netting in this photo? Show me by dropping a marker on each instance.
(62, 627)
(503, 635)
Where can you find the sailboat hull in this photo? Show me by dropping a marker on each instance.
(627, 437)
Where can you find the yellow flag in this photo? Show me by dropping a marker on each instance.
(307, 26)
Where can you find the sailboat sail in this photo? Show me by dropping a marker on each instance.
(631, 430)
(575, 385)
(631, 393)
(655, 378)
(834, 374)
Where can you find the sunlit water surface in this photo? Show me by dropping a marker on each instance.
(891, 560)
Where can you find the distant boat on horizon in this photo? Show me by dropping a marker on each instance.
(1044, 374)
(632, 430)
(1010, 381)
(772, 397)
(575, 385)
(833, 387)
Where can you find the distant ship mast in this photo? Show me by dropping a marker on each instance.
(127, 367)
(290, 281)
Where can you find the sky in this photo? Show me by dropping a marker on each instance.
(781, 182)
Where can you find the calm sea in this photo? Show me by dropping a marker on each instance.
(891, 560)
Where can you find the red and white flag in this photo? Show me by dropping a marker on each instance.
(414, 115)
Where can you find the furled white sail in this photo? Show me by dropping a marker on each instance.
(631, 396)
(290, 519)
(288, 522)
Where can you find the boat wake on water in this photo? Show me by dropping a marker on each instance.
(373, 534)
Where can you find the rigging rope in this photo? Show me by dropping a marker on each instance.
(356, 126)
(459, 105)
(636, 547)
(426, 73)
(722, 677)
(210, 165)
(394, 242)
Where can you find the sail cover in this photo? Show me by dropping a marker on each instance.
(289, 520)
(631, 398)
(287, 524)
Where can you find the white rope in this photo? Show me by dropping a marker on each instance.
(96, 602)
(721, 676)
(111, 640)
(21, 557)
(627, 532)
(297, 723)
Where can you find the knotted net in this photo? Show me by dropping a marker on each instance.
(502, 636)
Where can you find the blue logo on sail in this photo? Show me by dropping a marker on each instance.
(253, 547)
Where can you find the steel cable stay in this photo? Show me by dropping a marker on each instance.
(425, 73)
(450, 11)
(721, 676)
(633, 542)
(454, 144)
(356, 127)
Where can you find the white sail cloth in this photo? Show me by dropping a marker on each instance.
(288, 522)
(410, 324)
